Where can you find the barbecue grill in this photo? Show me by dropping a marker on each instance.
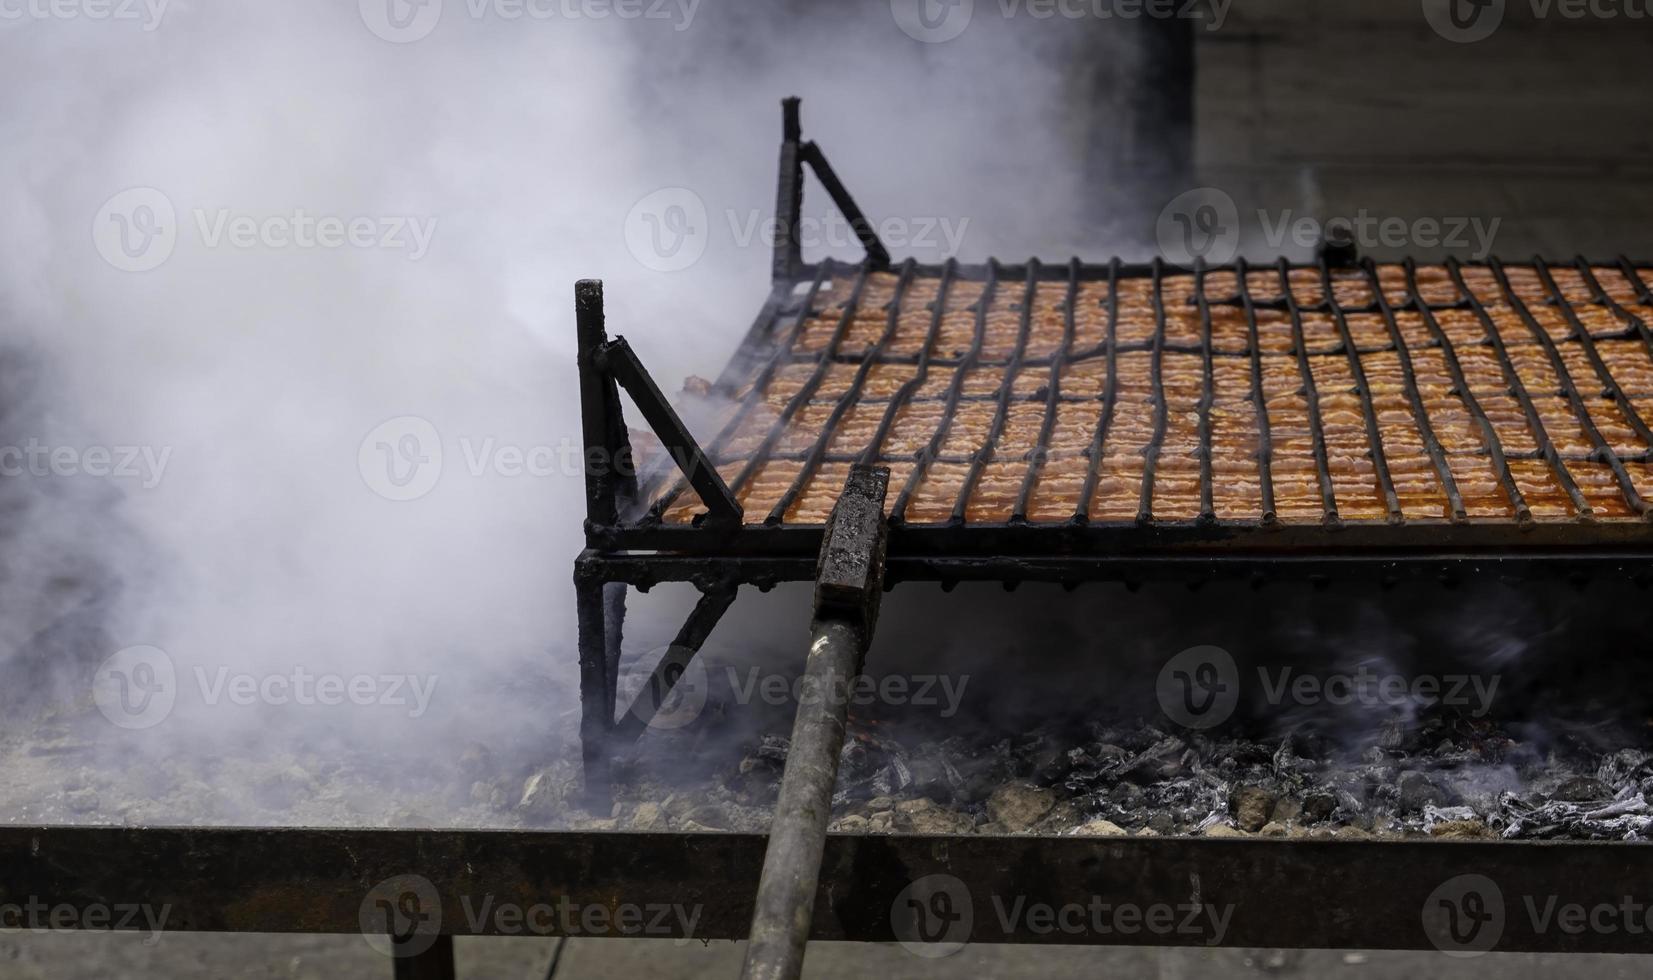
(1030, 422)
(1076, 422)
(1071, 422)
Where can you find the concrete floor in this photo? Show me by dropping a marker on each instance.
(102, 956)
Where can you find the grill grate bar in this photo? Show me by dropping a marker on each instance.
(1311, 394)
(1109, 396)
(1259, 398)
(760, 455)
(1519, 390)
(902, 395)
(1208, 508)
(1591, 353)
(1604, 452)
(1455, 500)
(1374, 436)
(1635, 277)
(933, 449)
(1053, 395)
(1489, 436)
(1637, 326)
(812, 457)
(1150, 455)
(715, 449)
(989, 447)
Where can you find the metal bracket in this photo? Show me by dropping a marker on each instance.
(610, 471)
(618, 359)
(790, 195)
(849, 576)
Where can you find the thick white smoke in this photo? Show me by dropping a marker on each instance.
(363, 230)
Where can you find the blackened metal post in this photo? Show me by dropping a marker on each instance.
(597, 681)
(789, 196)
(849, 582)
(435, 963)
(607, 449)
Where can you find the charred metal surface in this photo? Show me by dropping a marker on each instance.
(849, 576)
(607, 448)
(617, 358)
(1578, 568)
(1324, 894)
(435, 963)
(848, 587)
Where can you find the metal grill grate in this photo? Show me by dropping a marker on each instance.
(1308, 394)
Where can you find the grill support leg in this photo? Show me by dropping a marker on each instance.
(849, 583)
(435, 963)
(599, 606)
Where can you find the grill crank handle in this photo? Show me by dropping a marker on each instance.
(849, 580)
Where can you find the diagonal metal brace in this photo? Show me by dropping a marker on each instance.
(711, 607)
(877, 255)
(620, 361)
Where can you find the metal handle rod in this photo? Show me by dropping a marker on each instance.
(792, 863)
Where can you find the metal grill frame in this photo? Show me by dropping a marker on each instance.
(630, 545)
